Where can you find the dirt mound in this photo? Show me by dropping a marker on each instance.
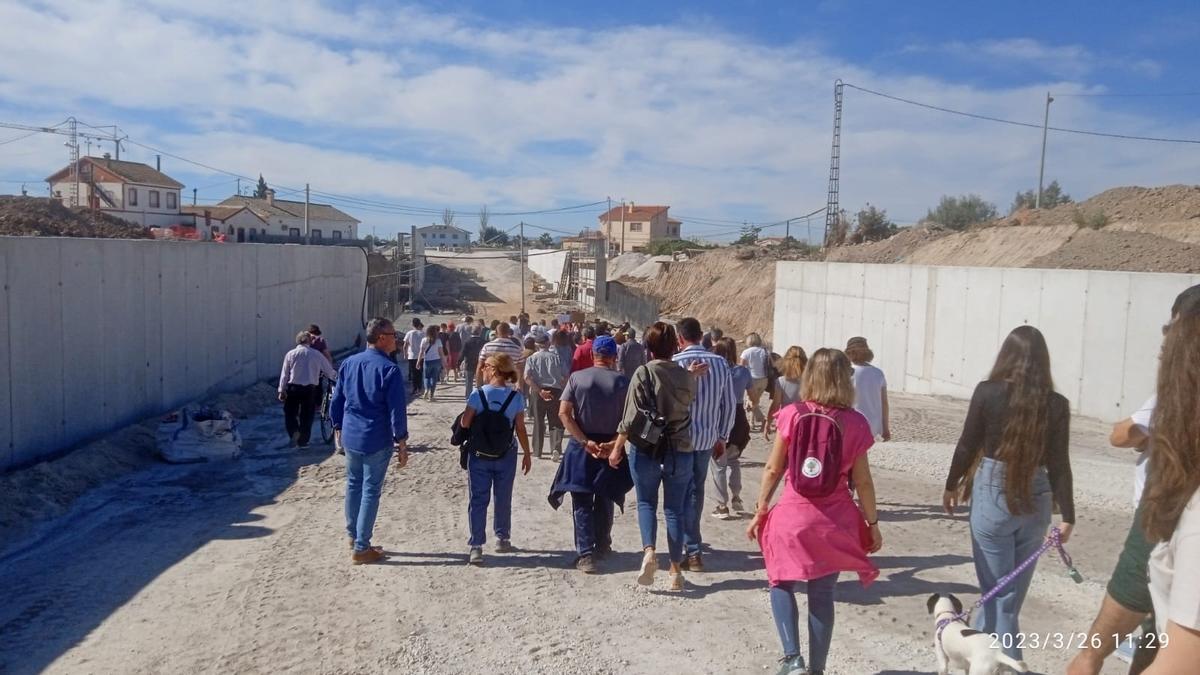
(892, 250)
(44, 217)
(731, 288)
(1122, 252)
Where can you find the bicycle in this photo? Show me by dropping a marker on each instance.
(327, 431)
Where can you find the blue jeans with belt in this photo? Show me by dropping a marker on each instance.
(487, 478)
(1000, 542)
(674, 475)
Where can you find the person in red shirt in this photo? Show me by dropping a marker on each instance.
(583, 353)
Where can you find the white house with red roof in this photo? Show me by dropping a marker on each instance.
(131, 191)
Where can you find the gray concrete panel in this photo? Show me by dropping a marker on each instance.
(6, 381)
(1104, 334)
(36, 346)
(83, 310)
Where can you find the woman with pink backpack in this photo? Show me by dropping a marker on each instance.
(816, 530)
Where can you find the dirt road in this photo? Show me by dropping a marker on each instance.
(499, 275)
(243, 567)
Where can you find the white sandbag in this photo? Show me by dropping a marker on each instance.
(199, 435)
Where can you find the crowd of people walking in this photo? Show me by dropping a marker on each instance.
(661, 411)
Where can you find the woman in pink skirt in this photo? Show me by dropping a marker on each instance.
(809, 538)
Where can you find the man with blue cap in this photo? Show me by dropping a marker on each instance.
(590, 408)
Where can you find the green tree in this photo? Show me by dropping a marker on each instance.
(749, 234)
(959, 212)
(545, 241)
(873, 225)
(484, 217)
(1052, 195)
(260, 190)
(491, 236)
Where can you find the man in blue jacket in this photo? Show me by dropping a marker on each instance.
(369, 406)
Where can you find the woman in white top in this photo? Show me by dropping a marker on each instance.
(429, 360)
(870, 388)
(1171, 501)
(755, 358)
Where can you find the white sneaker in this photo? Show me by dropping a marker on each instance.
(721, 512)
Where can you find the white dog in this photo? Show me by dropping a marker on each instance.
(962, 648)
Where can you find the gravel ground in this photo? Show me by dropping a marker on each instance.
(242, 567)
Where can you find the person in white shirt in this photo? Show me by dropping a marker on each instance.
(1171, 500)
(412, 352)
(300, 387)
(755, 358)
(870, 388)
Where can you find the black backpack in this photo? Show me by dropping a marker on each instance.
(491, 432)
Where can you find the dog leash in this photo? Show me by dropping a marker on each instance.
(1055, 540)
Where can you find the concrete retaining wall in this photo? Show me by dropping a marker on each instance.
(936, 330)
(547, 264)
(99, 333)
(625, 304)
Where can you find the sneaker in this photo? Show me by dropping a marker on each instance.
(721, 512)
(692, 563)
(791, 665)
(371, 555)
(676, 582)
(475, 557)
(736, 506)
(505, 546)
(649, 567)
(586, 565)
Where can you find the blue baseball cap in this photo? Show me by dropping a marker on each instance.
(604, 346)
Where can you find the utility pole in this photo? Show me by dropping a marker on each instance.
(239, 187)
(522, 257)
(1037, 201)
(306, 230)
(193, 196)
(622, 228)
(608, 223)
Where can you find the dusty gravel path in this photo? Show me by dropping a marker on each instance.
(243, 567)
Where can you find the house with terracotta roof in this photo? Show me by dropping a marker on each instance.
(132, 191)
(285, 218)
(630, 227)
(237, 223)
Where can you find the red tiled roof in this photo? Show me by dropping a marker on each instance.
(632, 213)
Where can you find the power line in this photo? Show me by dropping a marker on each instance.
(1031, 125)
(1132, 95)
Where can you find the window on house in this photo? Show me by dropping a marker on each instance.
(172, 201)
(316, 235)
(337, 234)
(442, 235)
(294, 233)
(635, 227)
(253, 231)
(133, 196)
(154, 199)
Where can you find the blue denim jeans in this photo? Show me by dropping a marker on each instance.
(674, 476)
(593, 522)
(487, 478)
(1000, 541)
(364, 482)
(820, 618)
(695, 502)
(431, 372)
(469, 385)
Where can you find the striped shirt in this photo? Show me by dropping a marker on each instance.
(712, 411)
(503, 346)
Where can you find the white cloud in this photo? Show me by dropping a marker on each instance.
(414, 106)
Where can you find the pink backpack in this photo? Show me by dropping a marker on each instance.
(814, 451)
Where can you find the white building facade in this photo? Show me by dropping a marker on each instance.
(444, 237)
(131, 191)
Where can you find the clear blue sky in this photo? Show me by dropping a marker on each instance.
(720, 109)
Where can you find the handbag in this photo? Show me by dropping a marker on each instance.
(647, 432)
